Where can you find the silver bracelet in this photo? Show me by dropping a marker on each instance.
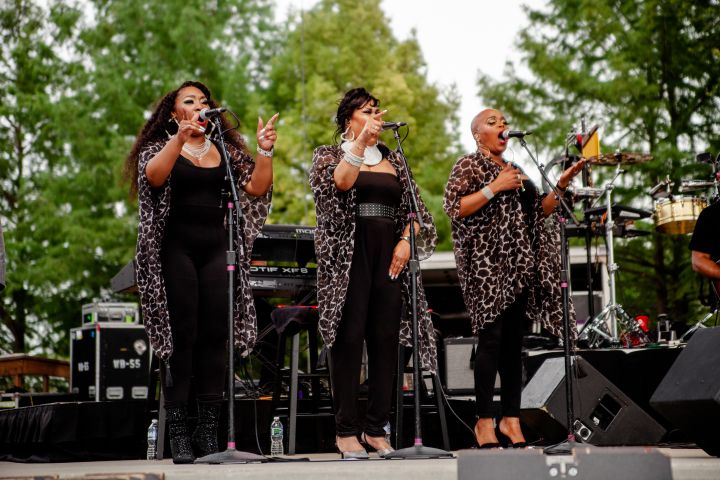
(353, 159)
(487, 191)
(266, 153)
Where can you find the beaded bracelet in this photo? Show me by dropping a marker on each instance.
(266, 153)
(353, 159)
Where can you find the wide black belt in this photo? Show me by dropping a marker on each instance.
(375, 210)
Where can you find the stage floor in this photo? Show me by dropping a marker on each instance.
(687, 464)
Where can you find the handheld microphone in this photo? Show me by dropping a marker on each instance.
(207, 113)
(506, 134)
(392, 125)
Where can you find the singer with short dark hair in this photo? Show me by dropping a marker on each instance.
(179, 177)
(362, 200)
(508, 264)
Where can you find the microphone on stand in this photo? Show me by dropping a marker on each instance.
(392, 125)
(506, 134)
(207, 113)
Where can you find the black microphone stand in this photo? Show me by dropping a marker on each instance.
(566, 446)
(234, 214)
(418, 450)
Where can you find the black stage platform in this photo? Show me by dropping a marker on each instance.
(81, 431)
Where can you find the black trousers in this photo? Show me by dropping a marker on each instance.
(499, 350)
(195, 275)
(371, 314)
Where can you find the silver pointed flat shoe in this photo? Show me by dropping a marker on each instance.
(355, 455)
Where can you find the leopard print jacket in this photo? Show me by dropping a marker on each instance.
(334, 242)
(154, 206)
(495, 261)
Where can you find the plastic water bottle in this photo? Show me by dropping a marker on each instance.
(276, 437)
(152, 437)
(388, 431)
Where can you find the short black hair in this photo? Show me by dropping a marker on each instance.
(351, 101)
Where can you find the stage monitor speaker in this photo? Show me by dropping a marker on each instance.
(604, 415)
(587, 463)
(689, 394)
(109, 361)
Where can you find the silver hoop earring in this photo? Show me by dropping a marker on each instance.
(344, 135)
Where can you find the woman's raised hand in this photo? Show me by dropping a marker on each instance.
(188, 128)
(369, 134)
(267, 135)
(567, 176)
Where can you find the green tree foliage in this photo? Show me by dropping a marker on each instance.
(649, 73)
(79, 84)
(322, 59)
(34, 166)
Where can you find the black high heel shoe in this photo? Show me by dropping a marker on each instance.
(505, 440)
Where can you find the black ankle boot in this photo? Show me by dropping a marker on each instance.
(179, 438)
(204, 438)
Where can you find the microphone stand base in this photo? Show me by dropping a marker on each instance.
(231, 456)
(418, 452)
(565, 447)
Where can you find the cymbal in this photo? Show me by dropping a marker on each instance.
(612, 159)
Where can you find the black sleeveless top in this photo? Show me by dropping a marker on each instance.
(196, 191)
(378, 187)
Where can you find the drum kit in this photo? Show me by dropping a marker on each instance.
(673, 214)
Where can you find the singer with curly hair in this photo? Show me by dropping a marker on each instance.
(179, 177)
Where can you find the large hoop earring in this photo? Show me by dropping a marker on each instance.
(344, 135)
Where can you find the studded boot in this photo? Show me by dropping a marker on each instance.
(204, 438)
(179, 439)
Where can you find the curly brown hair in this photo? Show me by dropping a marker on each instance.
(159, 126)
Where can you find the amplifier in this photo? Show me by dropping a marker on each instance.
(110, 312)
(458, 366)
(109, 361)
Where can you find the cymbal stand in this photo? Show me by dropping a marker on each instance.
(604, 327)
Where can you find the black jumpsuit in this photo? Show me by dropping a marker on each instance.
(371, 313)
(194, 271)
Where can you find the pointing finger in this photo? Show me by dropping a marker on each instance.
(270, 123)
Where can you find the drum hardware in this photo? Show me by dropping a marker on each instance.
(662, 189)
(621, 230)
(604, 327)
(581, 193)
(701, 323)
(689, 186)
(619, 158)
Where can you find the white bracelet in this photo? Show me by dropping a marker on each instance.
(487, 191)
(266, 153)
(353, 159)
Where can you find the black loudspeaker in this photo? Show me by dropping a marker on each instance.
(587, 463)
(109, 361)
(689, 395)
(604, 414)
